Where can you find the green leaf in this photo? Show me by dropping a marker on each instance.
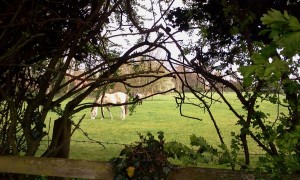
(126, 151)
(274, 33)
(286, 15)
(223, 147)
(274, 19)
(248, 71)
(247, 81)
(294, 24)
(224, 159)
(264, 31)
(277, 75)
(285, 31)
(160, 135)
(260, 70)
(259, 59)
(268, 51)
(197, 141)
(269, 71)
(193, 139)
(291, 43)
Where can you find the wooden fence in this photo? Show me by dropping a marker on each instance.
(102, 170)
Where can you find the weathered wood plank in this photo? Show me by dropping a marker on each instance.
(103, 170)
(56, 167)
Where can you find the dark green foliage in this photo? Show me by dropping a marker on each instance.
(284, 30)
(148, 158)
(226, 18)
(227, 27)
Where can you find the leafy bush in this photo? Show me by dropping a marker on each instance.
(148, 159)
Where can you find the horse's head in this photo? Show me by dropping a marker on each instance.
(94, 113)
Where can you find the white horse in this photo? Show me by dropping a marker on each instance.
(111, 99)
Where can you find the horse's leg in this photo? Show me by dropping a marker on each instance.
(102, 113)
(94, 112)
(111, 117)
(122, 112)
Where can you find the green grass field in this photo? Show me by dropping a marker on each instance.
(159, 113)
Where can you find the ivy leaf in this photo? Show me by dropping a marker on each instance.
(126, 151)
(160, 135)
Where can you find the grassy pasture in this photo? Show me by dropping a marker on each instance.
(159, 113)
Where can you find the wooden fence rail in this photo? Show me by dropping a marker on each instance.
(84, 169)
(56, 167)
